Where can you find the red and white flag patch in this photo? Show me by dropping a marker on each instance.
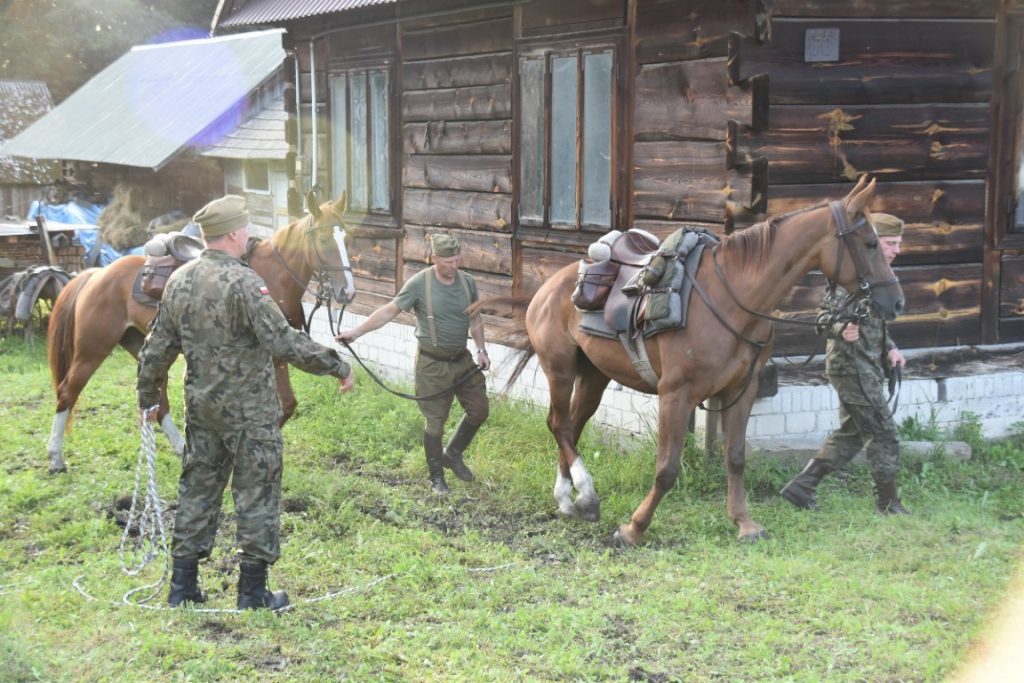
(264, 290)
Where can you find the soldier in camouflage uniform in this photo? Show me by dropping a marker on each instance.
(439, 297)
(856, 362)
(218, 313)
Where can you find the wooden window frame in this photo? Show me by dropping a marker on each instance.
(388, 216)
(1008, 140)
(578, 46)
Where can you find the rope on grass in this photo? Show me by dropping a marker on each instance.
(151, 539)
(126, 602)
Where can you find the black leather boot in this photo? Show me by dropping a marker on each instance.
(185, 582)
(453, 451)
(252, 588)
(801, 491)
(887, 500)
(435, 463)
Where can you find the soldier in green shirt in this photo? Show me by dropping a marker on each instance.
(439, 297)
(856, 360)
(218, 313)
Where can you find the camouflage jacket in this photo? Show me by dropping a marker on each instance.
(217, 312)
(868, 356)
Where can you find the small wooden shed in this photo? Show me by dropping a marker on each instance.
(23, 181)
(529, 128)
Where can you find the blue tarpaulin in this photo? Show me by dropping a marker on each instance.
(83, 217)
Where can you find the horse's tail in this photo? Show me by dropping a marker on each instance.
(510, 330)
(60, 333)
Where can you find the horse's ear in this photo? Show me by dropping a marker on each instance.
(860, 196)
(341, 204)
(312, 204)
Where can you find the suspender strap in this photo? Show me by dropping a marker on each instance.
(430, 302)
(430, 309)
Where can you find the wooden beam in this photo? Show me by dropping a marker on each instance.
(453, 209)
(458, 137)
(827, 143)
(484, 173)
(879, 61)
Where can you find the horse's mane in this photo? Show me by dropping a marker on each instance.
(751, 246)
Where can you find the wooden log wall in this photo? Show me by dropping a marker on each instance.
(907, 101)
(683, 107)
(456, 109)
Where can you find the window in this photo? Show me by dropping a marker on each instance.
(257, 178)
(1010, 143)
(567, 112)
(360, 124)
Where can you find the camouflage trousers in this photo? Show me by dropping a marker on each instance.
(864, 421)
(251, 459)
(433, 375)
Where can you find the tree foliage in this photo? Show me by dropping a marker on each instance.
(66, 42)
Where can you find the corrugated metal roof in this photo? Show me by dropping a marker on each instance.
(22, 103)
(155, 100)
(259, 12)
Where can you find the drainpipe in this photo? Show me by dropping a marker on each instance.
(313, 113)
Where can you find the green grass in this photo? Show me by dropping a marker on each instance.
(490, 584)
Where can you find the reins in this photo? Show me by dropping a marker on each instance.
(320, 273)
(465, 377)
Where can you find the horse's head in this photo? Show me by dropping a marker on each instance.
(857, 262)
(328, 256)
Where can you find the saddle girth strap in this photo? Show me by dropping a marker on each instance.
(430, 303)
(637, 352)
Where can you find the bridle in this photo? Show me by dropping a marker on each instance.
(323, 274)
(844, 231)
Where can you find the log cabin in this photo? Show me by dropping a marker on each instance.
(529, 128)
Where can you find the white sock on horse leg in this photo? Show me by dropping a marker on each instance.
(55, 446)
(582, 480)
(172, 434)
(563, 493)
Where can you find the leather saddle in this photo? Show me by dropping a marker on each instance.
(165, 253)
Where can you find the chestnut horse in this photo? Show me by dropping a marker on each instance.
(717, 354)
(95, 311)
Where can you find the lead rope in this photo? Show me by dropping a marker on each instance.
(151, 540)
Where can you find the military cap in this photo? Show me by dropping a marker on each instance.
(222, 216)
(887, 225)
(444, 245)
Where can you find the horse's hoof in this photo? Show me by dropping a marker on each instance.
(568, 511)
(755, 536)
(623, 539)
(589, 510)
(58, 470)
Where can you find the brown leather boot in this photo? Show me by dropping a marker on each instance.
(887, 499)
(435, 463)
(453, 451)
(802, 490)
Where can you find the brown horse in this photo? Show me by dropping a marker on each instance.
(716, 355)
(96, 311)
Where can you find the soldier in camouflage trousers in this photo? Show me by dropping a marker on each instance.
(439, 296)
(856, 361)
(218, 313)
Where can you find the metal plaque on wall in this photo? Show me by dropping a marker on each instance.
(821, 45)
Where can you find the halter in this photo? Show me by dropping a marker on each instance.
(322, 272)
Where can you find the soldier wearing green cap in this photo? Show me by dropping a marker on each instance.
(218, 313)
(439, 297)
(858, 358)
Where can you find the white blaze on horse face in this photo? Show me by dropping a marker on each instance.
(350, 285)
